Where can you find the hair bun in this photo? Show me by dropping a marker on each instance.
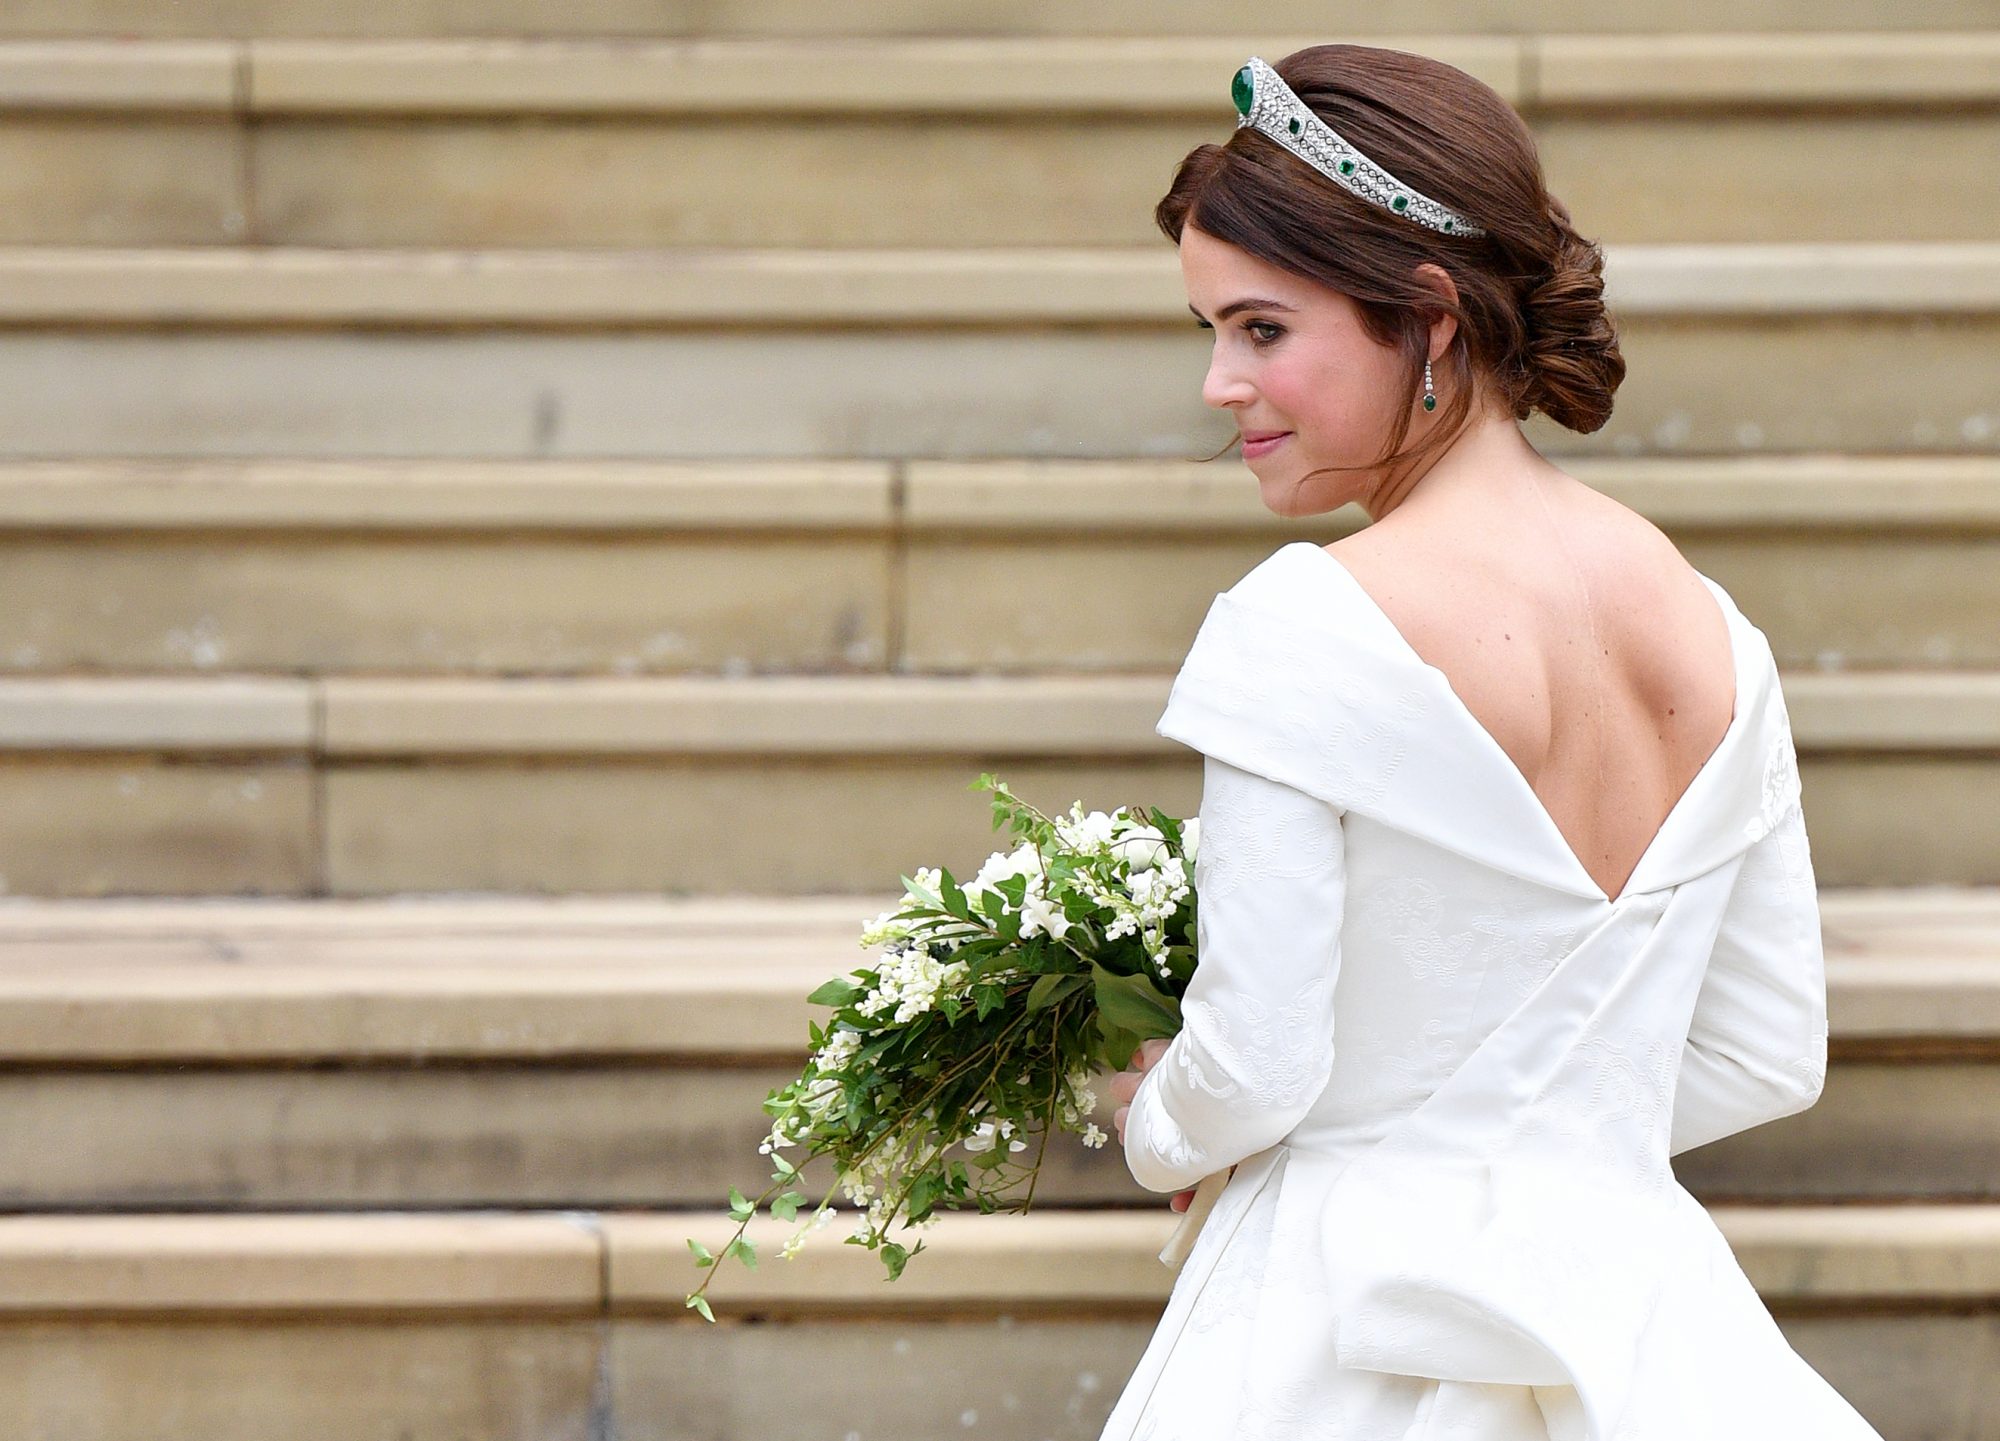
(1573, 361)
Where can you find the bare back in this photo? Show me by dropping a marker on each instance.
(1585, 645)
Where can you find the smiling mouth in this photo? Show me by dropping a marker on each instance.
(1258, 444)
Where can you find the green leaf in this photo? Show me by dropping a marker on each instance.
(743, 1248)
(1043, 991)
(741, 1207)
(702, 1255)
(782, 1166)
(700, 1303)
(1133, 1003)
(786, 1207)
(839, 991)
(895, 1257)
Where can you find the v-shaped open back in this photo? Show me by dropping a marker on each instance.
(1482, 738)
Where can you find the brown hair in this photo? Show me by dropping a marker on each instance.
(1531, 319)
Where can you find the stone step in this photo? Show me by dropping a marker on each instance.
(1416, 24)
(526, 1325)
(551, 142)
(939, 354)
(425, 567)
(572, 1052)
(694, 785)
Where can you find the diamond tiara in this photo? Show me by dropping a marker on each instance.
(1264, 100)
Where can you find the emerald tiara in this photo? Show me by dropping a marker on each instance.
(1264, 100)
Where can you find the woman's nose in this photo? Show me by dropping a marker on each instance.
(1222, 387)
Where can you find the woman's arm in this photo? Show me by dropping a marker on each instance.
(1255, 1047)
(1756, 1047)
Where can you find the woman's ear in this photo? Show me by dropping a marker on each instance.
(1436, 278)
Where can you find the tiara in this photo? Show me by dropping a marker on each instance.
(1264, 100)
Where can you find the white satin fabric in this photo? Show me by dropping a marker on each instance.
(1449, 1069)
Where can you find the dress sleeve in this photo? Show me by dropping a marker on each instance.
(1756, 1047)
(1255, 1047)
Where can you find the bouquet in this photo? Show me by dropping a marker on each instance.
(974, 1033)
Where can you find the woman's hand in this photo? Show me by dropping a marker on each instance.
(1125, 1085)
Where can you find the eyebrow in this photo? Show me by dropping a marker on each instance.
(1251, 303)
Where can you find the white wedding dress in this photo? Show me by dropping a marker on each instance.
(1450, 1071)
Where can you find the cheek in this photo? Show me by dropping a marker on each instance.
(1312, 396)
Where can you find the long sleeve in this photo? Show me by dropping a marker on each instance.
(1255, 1047)
(1756, 1047)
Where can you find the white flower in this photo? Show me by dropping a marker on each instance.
(1022, 861)
(989, 1135)
(911, 981)
(1142, 847)
(884, 928)
(1082, 832)
(1190, 836)
(1093, 1137)
(1039, 914)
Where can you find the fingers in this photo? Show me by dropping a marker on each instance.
(1181, 1201)
(1118, 1122)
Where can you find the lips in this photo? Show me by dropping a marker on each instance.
(1258, 442)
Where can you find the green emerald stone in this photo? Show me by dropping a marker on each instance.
(1239, 91)
(1347, 167)
(1430, 402)
(1296, 126)
(1400, 202)
(1447, 225)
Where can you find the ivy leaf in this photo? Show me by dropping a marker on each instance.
(700, 1303)
(743, 1248)
(702, 1255)
(895, 1257)
(740, 1205)
(786, 1207)
(1134, 1003)
(839, 991)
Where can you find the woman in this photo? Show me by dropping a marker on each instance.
(1505, 890)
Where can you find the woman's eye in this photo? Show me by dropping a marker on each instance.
(1203, 325)
(1256, 327)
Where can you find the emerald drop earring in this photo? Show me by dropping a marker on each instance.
(1430, 400)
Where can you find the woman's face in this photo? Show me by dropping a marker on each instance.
(1304, 383)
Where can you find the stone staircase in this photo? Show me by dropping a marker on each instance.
(492, 493)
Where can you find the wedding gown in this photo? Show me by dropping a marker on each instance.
(1450, 1070)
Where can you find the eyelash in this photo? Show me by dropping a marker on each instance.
(1253, 325)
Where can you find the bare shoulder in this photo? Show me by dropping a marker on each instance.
(1518, 586)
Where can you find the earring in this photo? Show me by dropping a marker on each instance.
(1430, 400)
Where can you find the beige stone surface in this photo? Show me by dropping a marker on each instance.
(722, 499)
(139, 824)
(570, 1130)
(360, 1379)
(874, 288)
(120, 180)
(888, 181)
(1901, 384)
(846, 719)
(142, 713)
(1912, 1375)
(1016, 1374)
(364, 1262)
(1881, 1130)
(1908, 592)
(182, 76)
(1878, 66)
(1082, 74)
(617, 825)
(642, 599)
(1690, 175)
(1902, 819)
(1417, 23)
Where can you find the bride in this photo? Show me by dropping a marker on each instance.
(1505, 892)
